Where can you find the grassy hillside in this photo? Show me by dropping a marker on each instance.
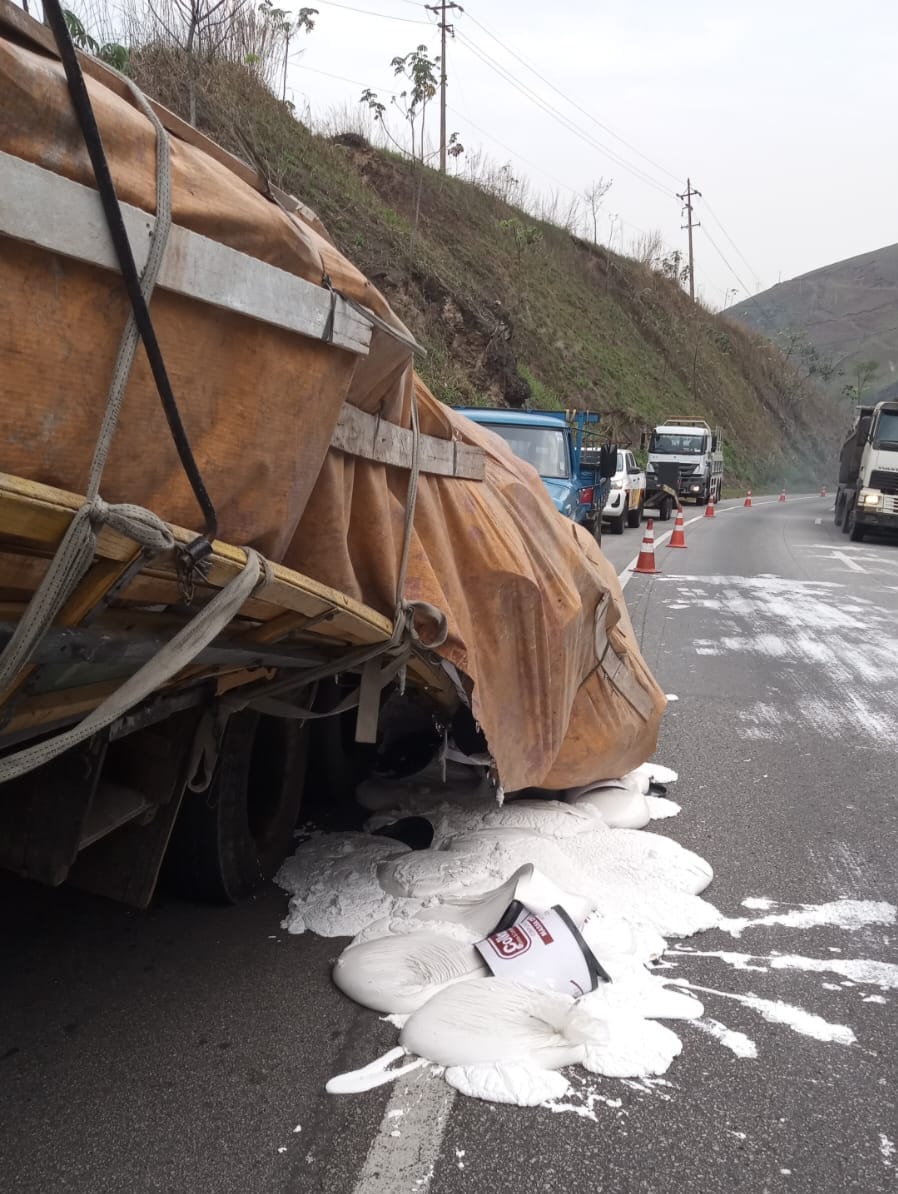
(846, 312)
(514, 311)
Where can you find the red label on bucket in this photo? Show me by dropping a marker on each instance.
(541, 931)
(510, 942)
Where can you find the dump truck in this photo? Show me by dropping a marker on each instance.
(240, 540)
(565, 449)
(867, 496)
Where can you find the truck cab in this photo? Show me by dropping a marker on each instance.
(867, 497)
(557, 444)
(696, 450)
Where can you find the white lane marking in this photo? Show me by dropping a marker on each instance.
(627, 571)
(843, 558)
(406, 1160)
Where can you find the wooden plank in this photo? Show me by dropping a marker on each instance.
(37, 516)
(62, 216)
(361, 434)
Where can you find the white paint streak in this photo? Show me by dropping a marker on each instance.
(730, 1038)
(774, 1011)
(841, 914)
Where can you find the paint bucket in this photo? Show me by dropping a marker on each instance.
(546, 951)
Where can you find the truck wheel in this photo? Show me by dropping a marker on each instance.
(838, 513)
(664, 509)
(231, 838)
(702, 499)
(856, 533)
(847, 518)
(617, 524)
(634, 517)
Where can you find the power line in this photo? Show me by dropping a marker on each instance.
(340, 78)
(567, 98)
(366, 12)
(745, 261)
(550, 110)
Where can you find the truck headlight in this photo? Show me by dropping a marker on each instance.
(871, 497)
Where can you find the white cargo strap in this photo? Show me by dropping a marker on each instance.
(75, 553)
(156, 672)
(405, 636)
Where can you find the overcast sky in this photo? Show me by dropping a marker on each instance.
(782, 112)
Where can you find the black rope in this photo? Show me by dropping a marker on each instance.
(106, 188)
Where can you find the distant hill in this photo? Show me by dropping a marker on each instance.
(846, 313)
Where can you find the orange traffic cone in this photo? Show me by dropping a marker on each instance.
(646, 561)
(782, 496)
(823, 491)
(747, 501)
(678, 538)
(709, 509)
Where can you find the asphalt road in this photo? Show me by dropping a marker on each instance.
(180, 1050)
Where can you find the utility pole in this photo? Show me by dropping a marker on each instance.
(442, 9)
(690, 224)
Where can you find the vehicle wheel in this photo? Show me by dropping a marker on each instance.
(229, 839)
(664, 509)
(847, 518)
(838, 513)
(856, 533)
(617, 524)
(634, 517)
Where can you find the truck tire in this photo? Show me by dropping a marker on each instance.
(634, 517)
(231, 838)
(617, 524)
(856, 534)
(665, 508)
(838, 512)
(847, 513)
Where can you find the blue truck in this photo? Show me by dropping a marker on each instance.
(565, 449)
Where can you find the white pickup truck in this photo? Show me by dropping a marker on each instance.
(626, 495)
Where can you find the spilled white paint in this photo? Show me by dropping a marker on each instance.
(776, 1011)
(841, 914)
(415, 915)
(737, 1042)
(865, 971)
(835, 654)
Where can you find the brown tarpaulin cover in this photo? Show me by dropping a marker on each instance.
(520, 584)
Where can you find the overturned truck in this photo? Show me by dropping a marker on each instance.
(243, 550)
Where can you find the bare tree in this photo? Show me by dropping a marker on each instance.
(594, 194)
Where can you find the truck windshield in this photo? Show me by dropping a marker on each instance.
(887, 429)
(672, 443)
(543, 447)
